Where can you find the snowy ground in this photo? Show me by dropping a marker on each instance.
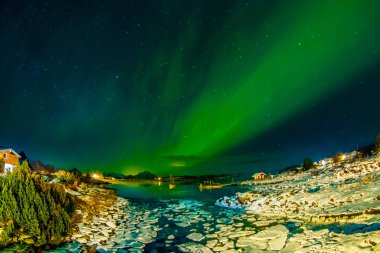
(336, 207)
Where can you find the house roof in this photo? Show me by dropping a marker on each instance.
(9, 149)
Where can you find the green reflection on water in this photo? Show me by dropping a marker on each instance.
(155, 190)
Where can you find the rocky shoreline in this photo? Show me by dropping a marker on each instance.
(332, 208)
(335, 207)
(95, 224)
(101, 230)
(115, 225)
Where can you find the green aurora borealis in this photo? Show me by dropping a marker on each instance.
(322, 48)
(174, 87)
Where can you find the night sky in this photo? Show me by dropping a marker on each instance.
(188, 87)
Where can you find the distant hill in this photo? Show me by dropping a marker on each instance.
(24, 157)
(114, 175)
(141, 175)
(145, 175)
(42, 168)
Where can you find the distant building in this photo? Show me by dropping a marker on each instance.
(259, 176)
(11, 159)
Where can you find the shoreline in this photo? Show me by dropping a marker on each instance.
(335, 206)
(98, 227)
(294, 215)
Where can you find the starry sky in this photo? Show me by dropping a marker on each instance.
(188, 87)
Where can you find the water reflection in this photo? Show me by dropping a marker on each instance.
(158, 190)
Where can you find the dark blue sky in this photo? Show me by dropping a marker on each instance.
(188, 87)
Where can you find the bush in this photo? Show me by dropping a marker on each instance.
(65, 176)
(338, 157)
(32, 207)
(308, 164)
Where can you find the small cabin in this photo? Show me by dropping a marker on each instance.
(10, 160)
(259, 176)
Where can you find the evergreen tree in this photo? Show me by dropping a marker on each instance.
(308, 164)
(31, 206)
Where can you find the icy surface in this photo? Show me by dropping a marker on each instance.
(332, 208)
